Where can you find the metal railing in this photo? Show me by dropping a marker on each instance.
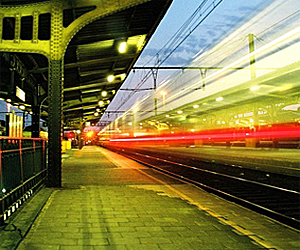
(23, 166)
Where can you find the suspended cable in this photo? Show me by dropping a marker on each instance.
(175, 42)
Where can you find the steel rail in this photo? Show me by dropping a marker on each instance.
(221, 174)
(292, 222)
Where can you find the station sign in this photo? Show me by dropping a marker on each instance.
(20, 93)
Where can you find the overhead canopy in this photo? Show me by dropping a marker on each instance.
(92, 55)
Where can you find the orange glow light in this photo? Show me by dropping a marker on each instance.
(90, 133)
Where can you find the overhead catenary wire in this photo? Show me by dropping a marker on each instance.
(172, 41)
(178, 33)
(177, 39)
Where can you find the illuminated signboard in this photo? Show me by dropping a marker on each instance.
(20, 94)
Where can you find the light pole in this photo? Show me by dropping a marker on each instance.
(163, 93)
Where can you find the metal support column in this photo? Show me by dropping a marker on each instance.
(154, 74)
(252, 58)
(11, 87)
(203, 76)
(55, 122)
(36, 112)
(253, 141)
(35, 121)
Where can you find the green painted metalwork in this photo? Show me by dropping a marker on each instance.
(55, 122)
(35, 121)
(22, 169)
(54, 50)
(60, 36)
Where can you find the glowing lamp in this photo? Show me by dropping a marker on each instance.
(254, 88)
(104, 93)
(22, 107)
(90, 133)
(122, 47)
(110, 78)
(100, 103)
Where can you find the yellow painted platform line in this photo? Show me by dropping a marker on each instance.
(133, 165)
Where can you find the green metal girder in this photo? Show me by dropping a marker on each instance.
(55, 48)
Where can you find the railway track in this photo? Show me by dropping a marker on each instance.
(280, 202)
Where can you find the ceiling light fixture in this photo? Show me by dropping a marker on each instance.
(104, 93)
(110, 78)
(22, 107)
(122, 47)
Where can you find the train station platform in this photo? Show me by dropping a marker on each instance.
(110, 202)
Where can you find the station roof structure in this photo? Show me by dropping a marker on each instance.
(92, 55)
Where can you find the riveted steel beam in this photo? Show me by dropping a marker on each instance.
(55, 8)
(93, 85)
(88, 62)
(55, 122)
(54, 47)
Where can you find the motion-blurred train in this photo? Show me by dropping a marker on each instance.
(240, 92)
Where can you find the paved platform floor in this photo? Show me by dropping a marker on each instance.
(110, 202)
